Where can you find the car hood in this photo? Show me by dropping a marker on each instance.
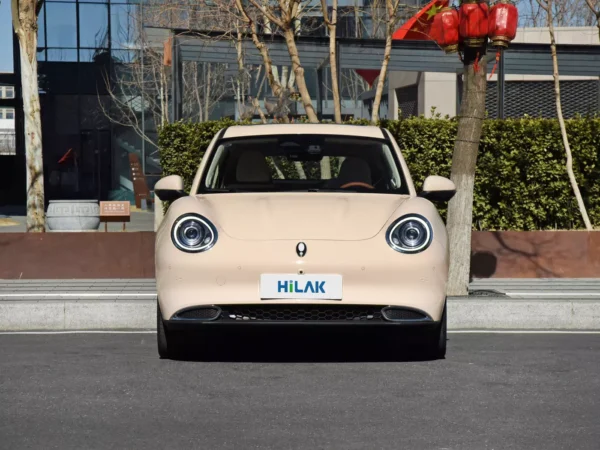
(300, 216)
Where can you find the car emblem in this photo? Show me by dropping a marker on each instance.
(301, 249)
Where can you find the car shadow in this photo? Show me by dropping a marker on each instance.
(305, 344)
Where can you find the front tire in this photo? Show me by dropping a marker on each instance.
(437, 343)
(168, 344)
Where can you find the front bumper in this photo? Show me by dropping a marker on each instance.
(373, 274)
(297, 314)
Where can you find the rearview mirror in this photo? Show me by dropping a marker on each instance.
(438, 189)
(169, 188)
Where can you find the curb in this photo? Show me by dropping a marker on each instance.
(464, 314)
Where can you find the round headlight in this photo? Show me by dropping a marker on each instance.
(410, 234)
(193, 233)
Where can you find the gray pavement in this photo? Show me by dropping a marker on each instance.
(110, 391)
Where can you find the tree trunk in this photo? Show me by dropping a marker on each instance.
(464, 159)
(299, 72)
(25, 25)
(382, 74)
(563, 129)
(332, 27)
(259, 110)
(207, 96)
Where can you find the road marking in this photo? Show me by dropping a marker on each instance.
(449, 332)
(80, 332)
(553, 294)
(523, 332)
(82, 294)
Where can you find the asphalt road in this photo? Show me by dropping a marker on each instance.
(493, 391)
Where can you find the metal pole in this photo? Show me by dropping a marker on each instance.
(176, 80)
(501, 79)
(141, 31)
(320, 93)
(339, 71)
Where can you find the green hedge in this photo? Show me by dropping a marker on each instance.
(521, 181)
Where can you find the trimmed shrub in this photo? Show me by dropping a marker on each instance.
(520, 184)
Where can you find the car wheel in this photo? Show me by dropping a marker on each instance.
(437, 343)
(168, 343)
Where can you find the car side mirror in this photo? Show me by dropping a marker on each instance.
(169, 188)
(438, 189)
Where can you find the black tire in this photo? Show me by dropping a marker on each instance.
(437, 343)
(169, 346)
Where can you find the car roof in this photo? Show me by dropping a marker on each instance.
(238, 131)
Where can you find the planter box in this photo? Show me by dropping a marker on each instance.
(535, 254)
(73, 215)
(76, 255)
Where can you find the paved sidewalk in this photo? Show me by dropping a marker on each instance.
(538, 287)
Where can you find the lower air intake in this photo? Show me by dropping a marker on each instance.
(301, 313)
(396, 314)
(199, 313)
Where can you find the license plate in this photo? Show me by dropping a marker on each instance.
(319, 287)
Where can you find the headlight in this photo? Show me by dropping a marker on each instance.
(410, 234)
(193, 233)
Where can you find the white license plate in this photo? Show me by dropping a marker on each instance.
(320, 287)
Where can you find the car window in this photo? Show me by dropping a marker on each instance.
(304, 162)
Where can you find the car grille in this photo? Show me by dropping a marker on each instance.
(300, 313)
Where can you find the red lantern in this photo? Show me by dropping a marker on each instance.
(444, 29)
(473, 22)
(503, 20)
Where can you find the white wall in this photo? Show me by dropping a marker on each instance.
(7, 124)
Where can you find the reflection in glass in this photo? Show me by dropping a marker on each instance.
(41, 42)
(92, 54)
(41, 55)
(124, 56)
(123, 22)
(61, 23)
(62, 54)
(93, 26)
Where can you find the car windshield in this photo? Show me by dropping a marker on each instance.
(316, 163)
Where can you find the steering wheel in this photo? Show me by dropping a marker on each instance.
(357, 184)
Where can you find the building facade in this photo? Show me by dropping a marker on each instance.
(105, 88)
(8, 144)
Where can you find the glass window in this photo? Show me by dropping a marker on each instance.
(293, 163)
(124, 56)
(1, 113)
(61, 23)
(42, 28)
(62, 54)
(41, 55)
(10, 92)
(6, 38)
(91, 54)
(124, 29)
(10, 114)
(93, 26)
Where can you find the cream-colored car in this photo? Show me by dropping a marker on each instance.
(302, 224)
